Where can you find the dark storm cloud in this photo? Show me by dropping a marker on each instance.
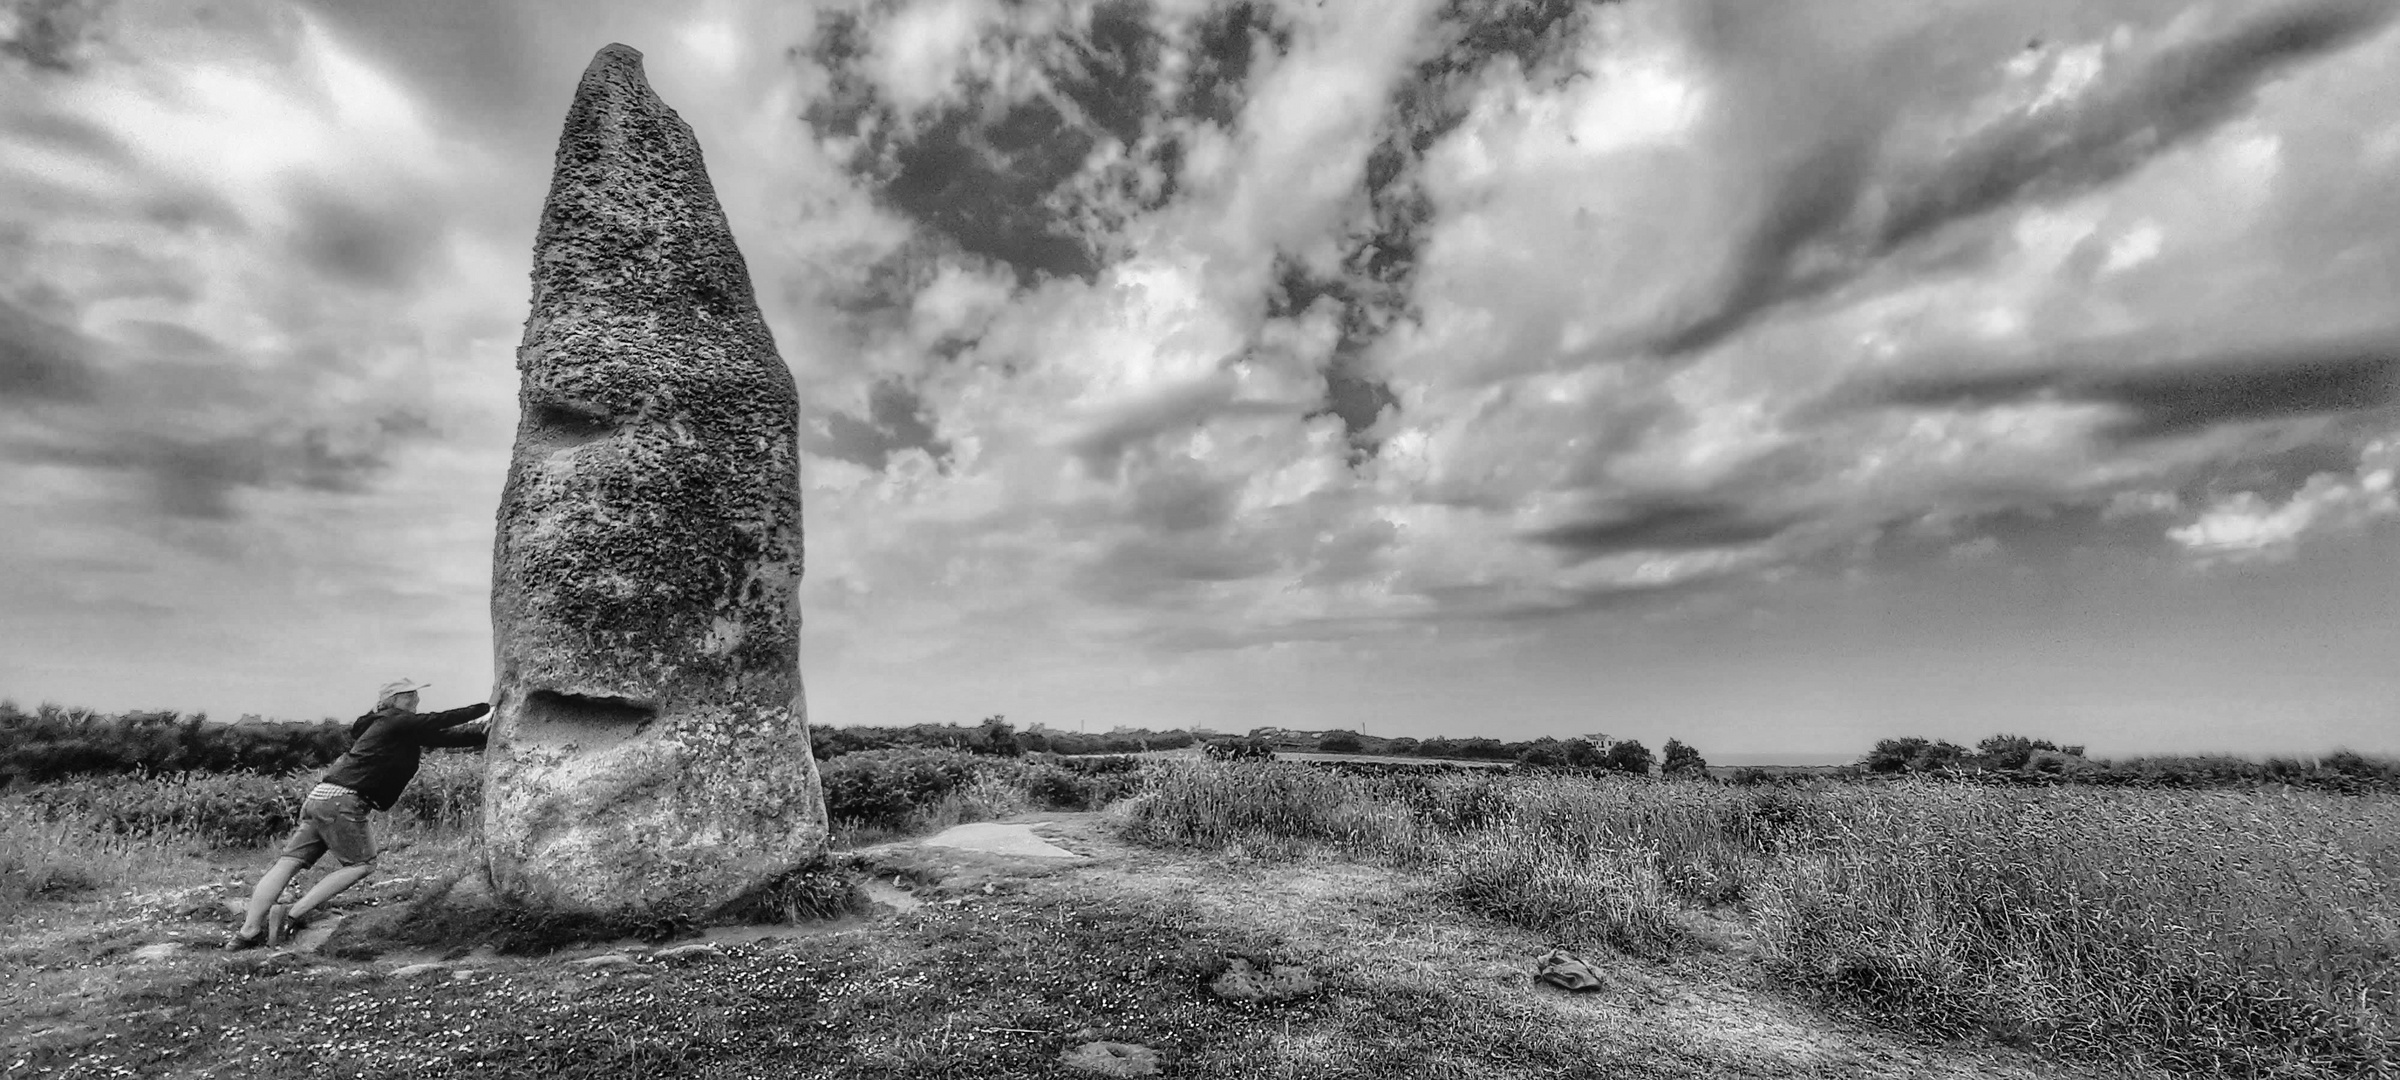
(70, 133)
(1183, 498)
(162, 414)
(2190, 396)
(358, 242)
(2273, 474)
(196, 476)
(41, 360)
(1359, 401)
(1809, 198)
(50, 34)
(1352, 393)
(1825, 221)
(1664, 524)
(996, 175)
(1106, 70)
(895, 421)
(985, 181)
(1226, 42)
(1372, 290)
(2182, 93)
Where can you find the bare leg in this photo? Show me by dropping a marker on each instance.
(254, 918)
(330, 885)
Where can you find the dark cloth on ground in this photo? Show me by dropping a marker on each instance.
(387, 745)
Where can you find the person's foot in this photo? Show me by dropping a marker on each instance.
(279, 923)
(238, 941)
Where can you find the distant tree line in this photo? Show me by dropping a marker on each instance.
(994, 736)
(55, 742)
(1591, 752)
(2018, 759)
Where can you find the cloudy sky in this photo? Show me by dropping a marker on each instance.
(1775, 377)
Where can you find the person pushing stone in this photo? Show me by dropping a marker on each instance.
(386, 745)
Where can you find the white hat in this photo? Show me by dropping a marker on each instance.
(394, 689)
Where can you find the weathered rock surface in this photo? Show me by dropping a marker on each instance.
(649, 749)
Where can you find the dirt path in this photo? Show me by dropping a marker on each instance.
(1380, 924)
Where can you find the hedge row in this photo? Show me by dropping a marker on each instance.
(884, 788)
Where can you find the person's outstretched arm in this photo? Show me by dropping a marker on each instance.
(420, 728)
(456, 738)
(455, 717)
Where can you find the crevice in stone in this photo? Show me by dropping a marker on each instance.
(588, 721)
(564, 424)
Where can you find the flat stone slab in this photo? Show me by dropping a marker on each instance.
(994, 838)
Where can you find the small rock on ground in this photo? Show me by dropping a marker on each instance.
(698, 950)
(156, 951)
(414, 970)
(604, 960)
(1112, 1059)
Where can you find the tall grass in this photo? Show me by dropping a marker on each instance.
(2217, 931)
(1595, 858)
(46, 859)
(2250, 933)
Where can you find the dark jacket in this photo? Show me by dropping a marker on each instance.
(386, 746)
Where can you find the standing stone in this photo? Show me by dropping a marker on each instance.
(649, 750)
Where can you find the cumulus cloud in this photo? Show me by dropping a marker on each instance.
(2245, 525)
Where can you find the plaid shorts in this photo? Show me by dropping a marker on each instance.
(332, 819)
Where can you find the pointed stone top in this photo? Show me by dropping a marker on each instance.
(632, 225)
(613, 78)
(617, 59)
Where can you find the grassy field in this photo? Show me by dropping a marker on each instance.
(2235, 933)
(2215, 933)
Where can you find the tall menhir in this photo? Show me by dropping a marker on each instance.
(649, 748)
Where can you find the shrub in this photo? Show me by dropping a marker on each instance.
(996, 737)
(1915, 755)
(1683, 761)
(1544, 752)
(883, 788)
(1244, 749)
(1079, 783)
(2010, 752)
(1629, 756)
